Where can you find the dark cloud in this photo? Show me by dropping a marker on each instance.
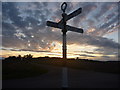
(90, 22)
(107, 51)
(12, 42)
(108, 17)
(11, 49)
(88, 52)
(33, 51)
(91, 40)
(86, 55)
(91, 52)
(7, 29)
(106, 56)
(104, 8)
(86, 9)
(10, 11)
(104, 26)
(53, 54)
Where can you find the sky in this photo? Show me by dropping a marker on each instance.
(24, 30)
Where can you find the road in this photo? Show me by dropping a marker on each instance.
(76, 79)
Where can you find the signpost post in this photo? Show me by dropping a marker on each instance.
(62, 25)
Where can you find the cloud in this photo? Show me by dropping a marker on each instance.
(106, 13)
(107, 51)
(86, 9)
(7, 29)
(104, 26)
(105, 56)
(91, 40)
(85, 55)
(108, 17)
(10, 11)
(88, 52)
(12, 49)
(90, 22)
(13, 42)
(104, 8)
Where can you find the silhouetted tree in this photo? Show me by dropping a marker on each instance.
(12, 57)
(19, 57)
(27, 57)
(77, 58)
(46, 56)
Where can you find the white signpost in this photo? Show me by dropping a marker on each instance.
(62, 25)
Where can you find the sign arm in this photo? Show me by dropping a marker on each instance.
(74, 29)
(75, 13)
(52, 24)
(71, 15)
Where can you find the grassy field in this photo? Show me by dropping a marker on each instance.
(21, 70)
(13, 69)
(97, 66)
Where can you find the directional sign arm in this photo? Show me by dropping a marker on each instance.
(71, 15)
(69, 28)
(52, 24)
(75, 13)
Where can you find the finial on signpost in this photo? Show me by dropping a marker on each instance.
(64, 6)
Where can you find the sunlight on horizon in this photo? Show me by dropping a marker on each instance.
(73, 51)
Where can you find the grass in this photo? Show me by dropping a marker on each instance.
(21, 70)
(31, 68)
(97, 66)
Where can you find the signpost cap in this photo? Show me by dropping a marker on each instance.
(63, 6)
